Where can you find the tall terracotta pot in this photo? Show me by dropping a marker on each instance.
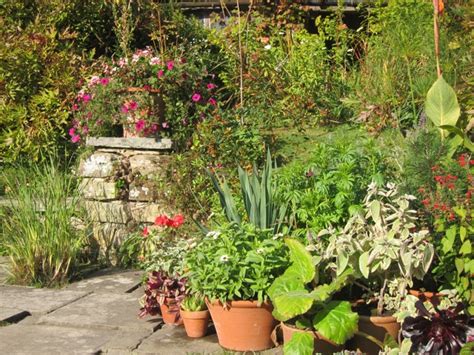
(195, 323)
(321, 344)
(243, 325)
(377, 327)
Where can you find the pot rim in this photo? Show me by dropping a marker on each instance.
(378, 319)
(194, 314)
(240, 304)
(314, 333)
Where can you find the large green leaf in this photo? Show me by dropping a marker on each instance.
(300, 344)
(336, 321)
(284, 284)
(292, 304)
(302, 263)
(442, 104)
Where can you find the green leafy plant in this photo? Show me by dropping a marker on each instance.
(442, 108)
(236, 262)
(193, 303)
(257, 193)
(380, 243)
(39, 233)
(297, 293)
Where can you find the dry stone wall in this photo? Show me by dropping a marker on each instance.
(123, 184)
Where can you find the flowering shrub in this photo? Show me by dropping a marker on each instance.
(147, 95)
(236, 262)
(160, 247)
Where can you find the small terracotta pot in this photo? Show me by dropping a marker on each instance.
(321, 344)
(376, 327)
(170, 312)
(243, 325)
(195, 323)
(427, 295)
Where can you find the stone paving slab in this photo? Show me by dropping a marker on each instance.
(173, 340)
(109, 281)
(36, 300)
(48, 340)
(12, 314)
(102, 311)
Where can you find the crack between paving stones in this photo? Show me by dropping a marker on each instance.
(71, 302)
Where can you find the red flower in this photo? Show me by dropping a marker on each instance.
(176, 221)
(462, 160)
(471, 162)
(162, 220)
(452, 217)
(145, 232)
(421, 190)
(426, 202)
(439, 178)
(468, 195)
(451, 186)
(436, 205)
(434, 168)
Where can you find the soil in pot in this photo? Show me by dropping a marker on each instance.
(321, 344)
(195, 323)
(243, 325)
(377, 327)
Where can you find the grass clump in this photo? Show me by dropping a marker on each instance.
(37, 230)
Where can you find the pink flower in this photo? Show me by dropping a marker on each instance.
(75, 138)
(183, 60)
(140, 125)
(170, 65)
(147, 87)
(196, 97)
(154, 128)
(162, 220)
(124, 108)
(104, 81)
(86, 98)
(160, 73)
(93, 81)
(212, 101)
(72, 131)
(75, 107)
(155, 61)
(132, 105)
(176, 221)
(211, 86)
(85, 129)
(165, 125)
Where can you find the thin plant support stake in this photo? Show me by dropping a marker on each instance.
(438, 8)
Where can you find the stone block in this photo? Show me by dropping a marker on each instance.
(109, 281)
(146, 212)
(98, 189)
(109, 237)
(99, 165)
(149, 165)
(146, 192)
(131, 143)
(110, 212)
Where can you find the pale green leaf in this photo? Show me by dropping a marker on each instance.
(466, 248)
(442, 104)
(336, 321)
(292, 304)
(301, 343)
(302, 263)
(363, 264)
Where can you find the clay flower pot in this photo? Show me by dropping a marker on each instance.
(321, 344)
(170, 313)
(195, 323)
(243, 325)
(426, 295)
(376, 327)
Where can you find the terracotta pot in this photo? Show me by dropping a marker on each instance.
(170, 312)
(195, 323)
(376, 327)
(243, 325)
(426, 295)
(321, 344)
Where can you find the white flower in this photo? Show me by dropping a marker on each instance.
(122, 62)
(260, 251)
(213, 234)
(267, 47)
(94, 81)
(277, 236)
(155, 61)
(224, 258)
(135, 58)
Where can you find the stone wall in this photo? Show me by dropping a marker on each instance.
(123, 183)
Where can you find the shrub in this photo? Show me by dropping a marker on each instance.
(38, 231)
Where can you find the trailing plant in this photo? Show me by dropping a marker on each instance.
(161, 288)
(38, 230)
(382, 245)
(261, 208)
(298, 294)
(237, 261)
(439, 332)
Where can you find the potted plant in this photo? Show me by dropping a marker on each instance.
(163, 295)
(381, 244)
(306, 308)
(195, 316)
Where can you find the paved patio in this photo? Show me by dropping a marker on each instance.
(97, 315)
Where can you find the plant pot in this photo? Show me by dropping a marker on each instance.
(321, 344)
(243, 325)
(195, 323)
(377, 327)
(170, 312)
(426, 295)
